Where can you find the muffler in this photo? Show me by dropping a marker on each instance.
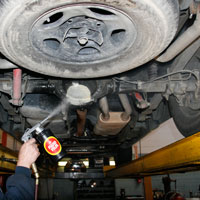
(111, 123)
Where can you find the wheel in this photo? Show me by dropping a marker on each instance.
(123, 155)
(85, 38)
(186, 119)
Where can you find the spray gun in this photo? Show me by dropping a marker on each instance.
(49, 142)
(28, 133)
(46, 137)
(27, 136)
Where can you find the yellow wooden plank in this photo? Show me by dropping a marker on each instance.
(4, 165)
(108, 167)
(177, 155)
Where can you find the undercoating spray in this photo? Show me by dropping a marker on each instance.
(46, 138)
(51, 144)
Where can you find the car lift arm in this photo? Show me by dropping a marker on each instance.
(180, 156)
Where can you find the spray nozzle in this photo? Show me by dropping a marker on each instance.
(38, 127)
(28, 133)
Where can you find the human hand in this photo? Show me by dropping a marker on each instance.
(28, 153)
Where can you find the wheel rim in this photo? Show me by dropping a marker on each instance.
(83, 33)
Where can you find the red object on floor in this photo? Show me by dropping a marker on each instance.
(177, 196)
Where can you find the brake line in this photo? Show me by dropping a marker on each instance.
(160, 77)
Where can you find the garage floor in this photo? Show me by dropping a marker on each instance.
(93, 185)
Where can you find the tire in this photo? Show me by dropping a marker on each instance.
(186, 119)
(123, 155)
(153, 24)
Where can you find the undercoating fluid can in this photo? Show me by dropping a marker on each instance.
(51, 144)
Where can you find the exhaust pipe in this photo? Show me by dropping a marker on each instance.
(81, 119)
(103, 103)
(126, 105)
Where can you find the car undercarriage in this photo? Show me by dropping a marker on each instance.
(124, 67)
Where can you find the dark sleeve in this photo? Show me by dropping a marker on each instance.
(20, 186)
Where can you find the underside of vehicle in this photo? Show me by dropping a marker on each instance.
(124, 66)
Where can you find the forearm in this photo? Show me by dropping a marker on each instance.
(20, 186)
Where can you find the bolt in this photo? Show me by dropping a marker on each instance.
(83, 40)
